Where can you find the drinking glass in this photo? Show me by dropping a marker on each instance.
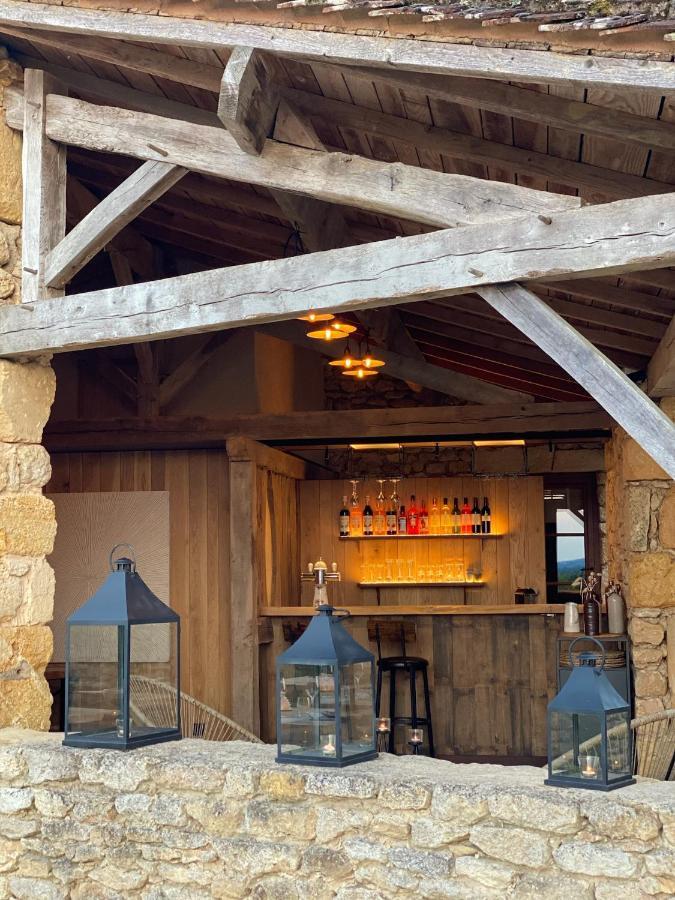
(411, 570)
(303, 705)
(399, 570)
(389, 570)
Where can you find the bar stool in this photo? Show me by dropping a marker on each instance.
(407, 665)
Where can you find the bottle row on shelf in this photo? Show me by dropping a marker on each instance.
(392, 519)
(407, 571)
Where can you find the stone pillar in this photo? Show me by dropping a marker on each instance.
(641, 555)
(27, 523)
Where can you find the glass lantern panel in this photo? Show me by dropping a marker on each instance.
(307, 711)
(575, 742)
(153, 670)
(619, 756)
(95, 681)
(356, 708)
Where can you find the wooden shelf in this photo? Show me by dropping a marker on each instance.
(437, 609)
(421, 584)
(421, 537)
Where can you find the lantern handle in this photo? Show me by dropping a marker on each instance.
(595, 641)
(345, 613)
(112, 553)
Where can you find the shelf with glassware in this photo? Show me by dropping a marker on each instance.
(418, 537)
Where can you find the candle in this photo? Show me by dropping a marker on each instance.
(329, 747)
(416, 736)
(383, 725)
(589, 766)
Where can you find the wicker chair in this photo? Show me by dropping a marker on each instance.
(654, 745)
(154, 703)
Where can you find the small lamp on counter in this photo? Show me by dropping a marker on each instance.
(325, 697)
(415, 740)
(122, 650)
(382, 729)
(590, 742)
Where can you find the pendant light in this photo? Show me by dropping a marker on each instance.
(332, 331)
(369, 360)
(317, 317)
(360, 373)
(347, 361)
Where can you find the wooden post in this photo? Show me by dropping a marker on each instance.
(44, 188)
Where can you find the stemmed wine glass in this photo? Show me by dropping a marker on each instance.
(355, 494)
(395, 499)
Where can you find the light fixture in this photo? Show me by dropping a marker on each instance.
(372, 362)
(359, 372)
(515, 443)
(346, 361)
(317, 317)
(332, 331)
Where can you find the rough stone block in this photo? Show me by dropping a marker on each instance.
(514, 845)
(24, 468)
(646, 632)
(26, 591)
(332, 823)
(486, 872)
(534, 886)
(119, 772)
(582, 858)
(433, 833)
(393, 823)
(458, 804)
(268, 819)
(360, 849)
(399, 795)
(621, 822)
(35, 889)
(240, 782)
(534, 809)
(282, 785)
(649, 683)
(661, 862)
(648, 656)
(221, 817)
(651, 579)
(419, 862)
(667, 521)
(252, 857)
(188, 775)
(638, 464)
(15, 799)
(27, 524)
(26, 396)
(10, 174)
(637, 514)
(12, 763)
(332, 785)
(329, 863)
(25, 699)
(386, 878)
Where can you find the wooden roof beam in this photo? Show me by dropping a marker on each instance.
(604, 381)
(384, 53)
(435, 198)
(606, 239)
(661, 370)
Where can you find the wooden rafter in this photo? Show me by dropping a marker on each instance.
(248, 99)
(432, 197)
(595, 240)
(661, 371)
(606, 383)
(348, 49)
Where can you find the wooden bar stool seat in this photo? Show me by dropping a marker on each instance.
(411, 666)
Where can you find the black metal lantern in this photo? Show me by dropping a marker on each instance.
(590, 742)
(326, 697)
(122, 662)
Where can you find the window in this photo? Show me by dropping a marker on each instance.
(572, 533)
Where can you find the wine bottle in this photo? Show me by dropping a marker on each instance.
(355, 518)
(434, 518)
(475, 517)
(466, 517)
(413, 517)
(456, 518)
(391, 519)
(424, 518)
(344, 519)
(486, 517)
(402, 521)
(368, 518)
(446, 518)
(380, 519)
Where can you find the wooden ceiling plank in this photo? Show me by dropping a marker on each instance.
(607, 239)
(604, 381)
(435, 198)
(661, 370)
(622, 297)
(347, 49)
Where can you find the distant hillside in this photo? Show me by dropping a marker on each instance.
(570, 569)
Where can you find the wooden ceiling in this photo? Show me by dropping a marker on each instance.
(203, 222)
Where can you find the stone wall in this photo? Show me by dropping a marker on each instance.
(640, 501)
(27, 524)
(199, 820)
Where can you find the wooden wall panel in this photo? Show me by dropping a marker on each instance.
(198, 484)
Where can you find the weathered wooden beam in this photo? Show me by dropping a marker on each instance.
(604, 381)
(497, 420)
(408, 368)
(427, 196)
(355, 50)
(44, 188)
(249, 98)
(614, 184)
(107, 219)
(533, 106)
(117, 94)
(127, 56)
(595, 240)
(661, 370)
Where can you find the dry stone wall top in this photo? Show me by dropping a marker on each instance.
(199, 820)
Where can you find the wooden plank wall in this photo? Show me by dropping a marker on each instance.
(197, 481)
(516, 560)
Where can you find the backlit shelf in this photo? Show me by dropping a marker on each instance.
(421, 537)
(421, 584)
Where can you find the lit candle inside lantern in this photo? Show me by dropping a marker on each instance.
(329, 747)
(589, 766)
(416, 736)
(383, 725)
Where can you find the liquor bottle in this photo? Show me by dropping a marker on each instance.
(367, 518)
(402, 521)
(446, 518)
(392, 519)
(424, 518)
(466, 517)
(413, 517)
(435, 518)
(475, 517)
(486, 517)
(355, 518)
(456, 518)
(380, 519)
(344, 519)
